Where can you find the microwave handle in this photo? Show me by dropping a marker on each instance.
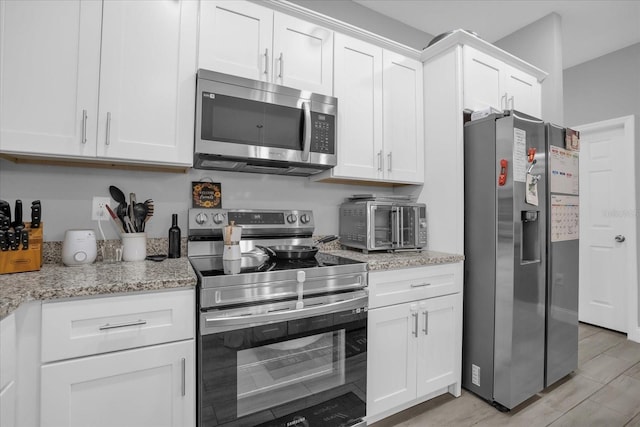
(306, 145)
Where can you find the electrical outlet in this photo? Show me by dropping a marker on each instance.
(98, 210)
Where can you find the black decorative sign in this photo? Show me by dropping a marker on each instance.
(206, 194)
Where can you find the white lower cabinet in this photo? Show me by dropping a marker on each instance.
(414, 349)
(8, 368)
(151, 386)
(124, 360)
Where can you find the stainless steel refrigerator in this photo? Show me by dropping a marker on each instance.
(507, 345)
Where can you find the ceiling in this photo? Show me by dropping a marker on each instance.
(590, 28)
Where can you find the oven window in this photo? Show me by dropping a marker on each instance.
(243, 121)
(383, 222)
(278, 373)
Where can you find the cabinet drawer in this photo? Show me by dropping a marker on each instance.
(411, 284)
(92, 326)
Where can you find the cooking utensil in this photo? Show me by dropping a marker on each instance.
(115, 219)
(4, 241)
(130, 211)
(36, 214)
(24, 239)
(295, 251)
(17, 212)
(5, 209)
(149, 205)
(139, 215)
(118, 196)
(5, 222)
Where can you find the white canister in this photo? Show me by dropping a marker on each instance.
(134, 246)
(79, 247)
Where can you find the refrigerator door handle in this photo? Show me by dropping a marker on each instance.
(527, 119)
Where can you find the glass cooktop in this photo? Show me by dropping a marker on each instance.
(209, 266)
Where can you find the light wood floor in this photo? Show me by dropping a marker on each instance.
(603, 391)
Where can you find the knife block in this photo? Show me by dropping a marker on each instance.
(24, 260)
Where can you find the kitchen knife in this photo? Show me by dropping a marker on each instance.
(5, 209)
(24, 238)
(17, 219)
(36, 214)
(5, 222)
(4, 241)
(11, 239)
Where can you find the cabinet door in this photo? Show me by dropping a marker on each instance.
(403, 123)
(483, 75)
(303, 54)
(524, 92)
(391, 371)
(49, 69)
(235, 38)
(440, 343)
(151, 386)
(8, 405)
(147, 81)
(358, 87)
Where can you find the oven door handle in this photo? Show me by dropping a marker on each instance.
(275, 316)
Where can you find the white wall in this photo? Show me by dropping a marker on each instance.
(540, 44)
(605, 88)
(66, 194)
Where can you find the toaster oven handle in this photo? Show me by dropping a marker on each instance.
(306, 145)
(401, 226)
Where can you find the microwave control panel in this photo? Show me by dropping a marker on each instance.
(323, 133)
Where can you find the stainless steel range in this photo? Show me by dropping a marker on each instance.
(281, 342)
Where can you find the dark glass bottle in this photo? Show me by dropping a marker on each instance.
(174, 238)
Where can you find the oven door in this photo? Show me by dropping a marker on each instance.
(284, 366)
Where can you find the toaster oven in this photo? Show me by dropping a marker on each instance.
(373, 225)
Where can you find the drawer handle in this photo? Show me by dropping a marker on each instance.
(122, 325)
(420, 285)
(184, 376)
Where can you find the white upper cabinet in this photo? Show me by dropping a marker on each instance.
(147, 81)
(248, 40)
(99, 81)
(380, 124)
(358, 86)
(402, 119)
(490, 82)
(236, 38)
(50, 68)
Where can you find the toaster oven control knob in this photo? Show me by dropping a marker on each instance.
(201, 218)
(291, 218)
(305, 219)
(218, 218)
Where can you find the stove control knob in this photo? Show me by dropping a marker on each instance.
(291, 218)
(218, 218)
(201, 218)
(305, 218)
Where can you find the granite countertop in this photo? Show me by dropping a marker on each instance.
(391, 261)
(55, 281)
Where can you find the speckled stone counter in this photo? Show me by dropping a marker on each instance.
(56, 281)
(392, 261)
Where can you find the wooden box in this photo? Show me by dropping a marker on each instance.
(24, 259)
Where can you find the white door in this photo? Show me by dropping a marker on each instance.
(303, 55)
(483, 80)
(391, 351)
(438, 349)
(403, 123)
(608, 257)
(236, 38)
(147, 81)
(49, 70)
(358, 87)
(150, 386)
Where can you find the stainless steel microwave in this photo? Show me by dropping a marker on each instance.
(373, 225)
(251, 126)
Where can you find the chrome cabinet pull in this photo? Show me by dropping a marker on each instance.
(420, 285)
(415, 326)
(266, 61)
(504, 103)
(426, 322)
(380, 161)
(84, 126)
(389, 161)
(281, 61)
(513, 105)
(620, 238)
(122, 325)
(184, 376)
(108, 129)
